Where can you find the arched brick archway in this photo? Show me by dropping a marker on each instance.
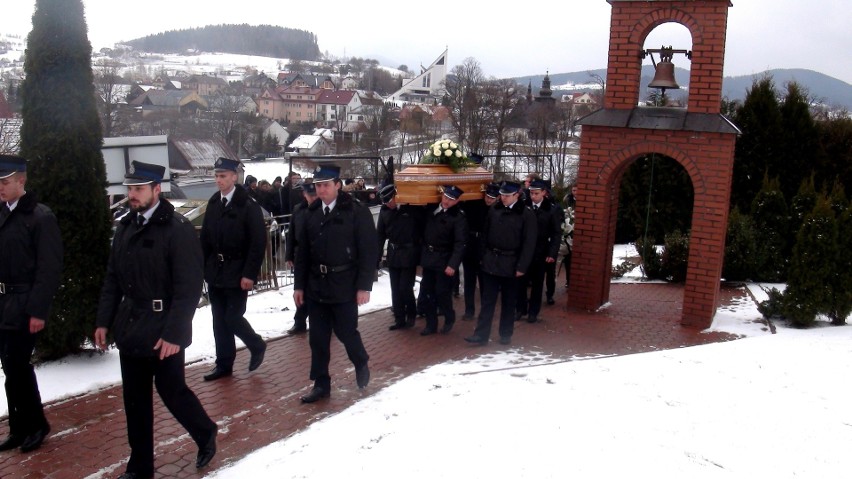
(697, 137)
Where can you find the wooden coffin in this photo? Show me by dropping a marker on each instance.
(420, 184)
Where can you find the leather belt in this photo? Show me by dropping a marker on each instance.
(502, 252)
(475, 234)
(325, 269)
(436, 250)
(155, 305)
(226, 257)
(401, 245)
(7, 288)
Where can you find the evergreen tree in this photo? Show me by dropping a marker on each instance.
(812, 267)
(61, 137)
(803, 203)
(757, 148)
(740, 247)
(800, 142)
(841, 301)
(770, 216)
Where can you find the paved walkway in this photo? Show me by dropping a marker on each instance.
(253, 410)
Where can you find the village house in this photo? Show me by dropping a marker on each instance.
(204, 85)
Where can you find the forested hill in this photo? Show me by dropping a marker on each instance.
(262, 40)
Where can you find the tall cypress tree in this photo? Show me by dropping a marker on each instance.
(800, 147)
(61, 138)
(771, 219)
(757, 148)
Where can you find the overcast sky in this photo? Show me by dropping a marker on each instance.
(527, 39)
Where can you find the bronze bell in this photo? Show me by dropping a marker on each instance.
(664, 78)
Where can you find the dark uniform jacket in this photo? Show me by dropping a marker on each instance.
(30, 263)
(509, 239)
(402, 228)
(336, 255)
(475, 211)
(444, 238)
(297, 219)
(549, 221)
(159, 261)
(233, 240)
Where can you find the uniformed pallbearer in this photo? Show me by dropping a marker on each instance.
(30, 273)
(336, 261)
(149, 297)
(233, 240)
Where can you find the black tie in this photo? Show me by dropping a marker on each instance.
(535, 207)
(224, 201)
(326, 210)
(140, 220)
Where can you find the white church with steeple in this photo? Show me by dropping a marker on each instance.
(427, 87)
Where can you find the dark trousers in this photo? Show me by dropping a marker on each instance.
(534, 279)
(470, 268)
(437, 290)
(550, 279)
(300, 319)
(26, 413)
(342, 320)
(403, 303)
(508, 291)
(168, 376)
(228, 306)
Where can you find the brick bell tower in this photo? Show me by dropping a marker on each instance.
(698, 137)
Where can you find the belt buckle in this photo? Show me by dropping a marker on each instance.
(220, 257)
(323, 269)
(2, 288)
(157, 305)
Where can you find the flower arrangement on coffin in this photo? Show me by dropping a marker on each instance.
(444, 163)
(446, 152)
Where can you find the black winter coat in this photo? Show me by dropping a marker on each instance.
(236, 232)
(444, 238)
(343, 244)
(30, 263)
(549, 221)
(509, 239)
(158, 261)
(402, 228)
(297, 219)
(475, 211)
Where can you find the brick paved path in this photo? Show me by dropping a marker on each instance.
(88, 436)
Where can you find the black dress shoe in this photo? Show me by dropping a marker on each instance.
(505, 340)
(532, 319)
(135, 475)
(207, 451)
(467, 317)
(427, 331)
(448, 326)
(476, 340)
(257, 358)
(550, 301)
(315, 395)
(34, 440)
(519, 315)
(297, 329)
(362, 376)
(217, 373)
(11, 442)
(396, 326)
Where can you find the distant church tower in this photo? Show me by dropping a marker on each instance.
(545, 94)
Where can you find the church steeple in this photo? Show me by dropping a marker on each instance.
(529, 93)
(545, 93)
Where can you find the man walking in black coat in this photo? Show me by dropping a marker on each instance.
(401, 226)
(509, 242)
(30, 273)
(549, 233)
(335, 266)
(297, 219)
(444, 240)
(233, 240)
(475, 211)
(148, 300)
